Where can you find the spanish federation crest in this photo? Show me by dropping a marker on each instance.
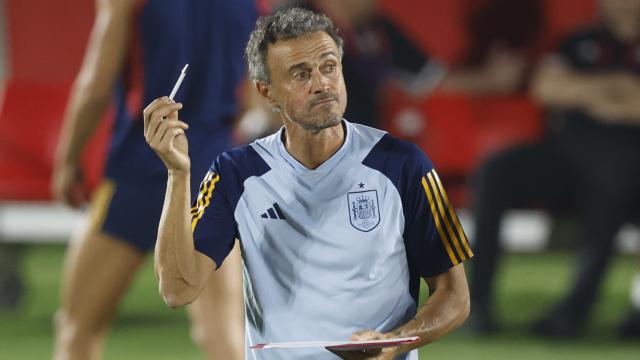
(364, 213)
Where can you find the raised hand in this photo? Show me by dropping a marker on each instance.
(165, 134)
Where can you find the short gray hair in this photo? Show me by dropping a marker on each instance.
(285, 24)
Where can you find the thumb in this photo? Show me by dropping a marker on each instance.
(365, 335)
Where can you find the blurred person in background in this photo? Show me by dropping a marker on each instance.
(11, 278)
(630, 324)
(377, 53)
(135, 53)
(380, 54)
(503, 39)
(587, 159)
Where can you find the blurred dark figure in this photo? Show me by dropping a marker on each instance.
(587, 161)
(11, 278)
(376, 53)
(503, 39)
(630, 325)
(135, 52)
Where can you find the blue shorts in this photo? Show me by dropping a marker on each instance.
(128, 205)
(129, 210)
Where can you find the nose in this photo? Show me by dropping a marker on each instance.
(319, 83)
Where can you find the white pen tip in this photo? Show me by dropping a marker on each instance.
(184, 69)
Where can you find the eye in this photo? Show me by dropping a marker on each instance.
(302, 75)
(330, 68)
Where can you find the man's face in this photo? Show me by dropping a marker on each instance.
(306, 80)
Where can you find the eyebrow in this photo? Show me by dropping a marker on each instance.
(297, 66)
(330, 52)
(303, 64)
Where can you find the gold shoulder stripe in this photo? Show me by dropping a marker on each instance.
(452, 236)
(204, 185)
(204, 198)
(436, 218)
(454, 217)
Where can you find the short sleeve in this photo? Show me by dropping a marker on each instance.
(212, 219)
(434, 237)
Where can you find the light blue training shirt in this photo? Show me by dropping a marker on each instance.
(330, 251)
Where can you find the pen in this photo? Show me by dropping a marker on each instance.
(177, 85)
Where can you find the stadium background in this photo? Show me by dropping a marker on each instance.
(41, 46)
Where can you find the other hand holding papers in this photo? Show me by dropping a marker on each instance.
(340, 345)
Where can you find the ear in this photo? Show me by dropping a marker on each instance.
(265, 90)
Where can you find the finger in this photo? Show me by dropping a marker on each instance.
(158, 127)
(365, 335)
(164, 126)
(356, 354)
(373, 352)
(164, 144)
(158, 115)
(172, 116)
(146, 113)
(167, 141)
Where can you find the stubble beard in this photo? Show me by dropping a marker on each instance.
(315, 124)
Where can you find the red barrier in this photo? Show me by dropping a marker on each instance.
(46, 42)
(30, 121)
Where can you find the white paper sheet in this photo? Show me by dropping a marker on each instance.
(339, 345)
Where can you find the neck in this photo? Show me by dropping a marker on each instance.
(312, 148)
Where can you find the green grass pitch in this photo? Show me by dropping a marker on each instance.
(146, 329)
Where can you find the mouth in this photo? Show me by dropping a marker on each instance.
(324, 101)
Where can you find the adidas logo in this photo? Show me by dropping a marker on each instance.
(273, 212)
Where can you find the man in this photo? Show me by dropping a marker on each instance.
(587, 160)
(337, 221)
(128, 51)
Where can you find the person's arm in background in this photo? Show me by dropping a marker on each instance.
(90, 95)
(414, 70)
(182, 271)
(503, 71)
(608, 97)
(620, 103)
(417, 73)
(555, 85)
